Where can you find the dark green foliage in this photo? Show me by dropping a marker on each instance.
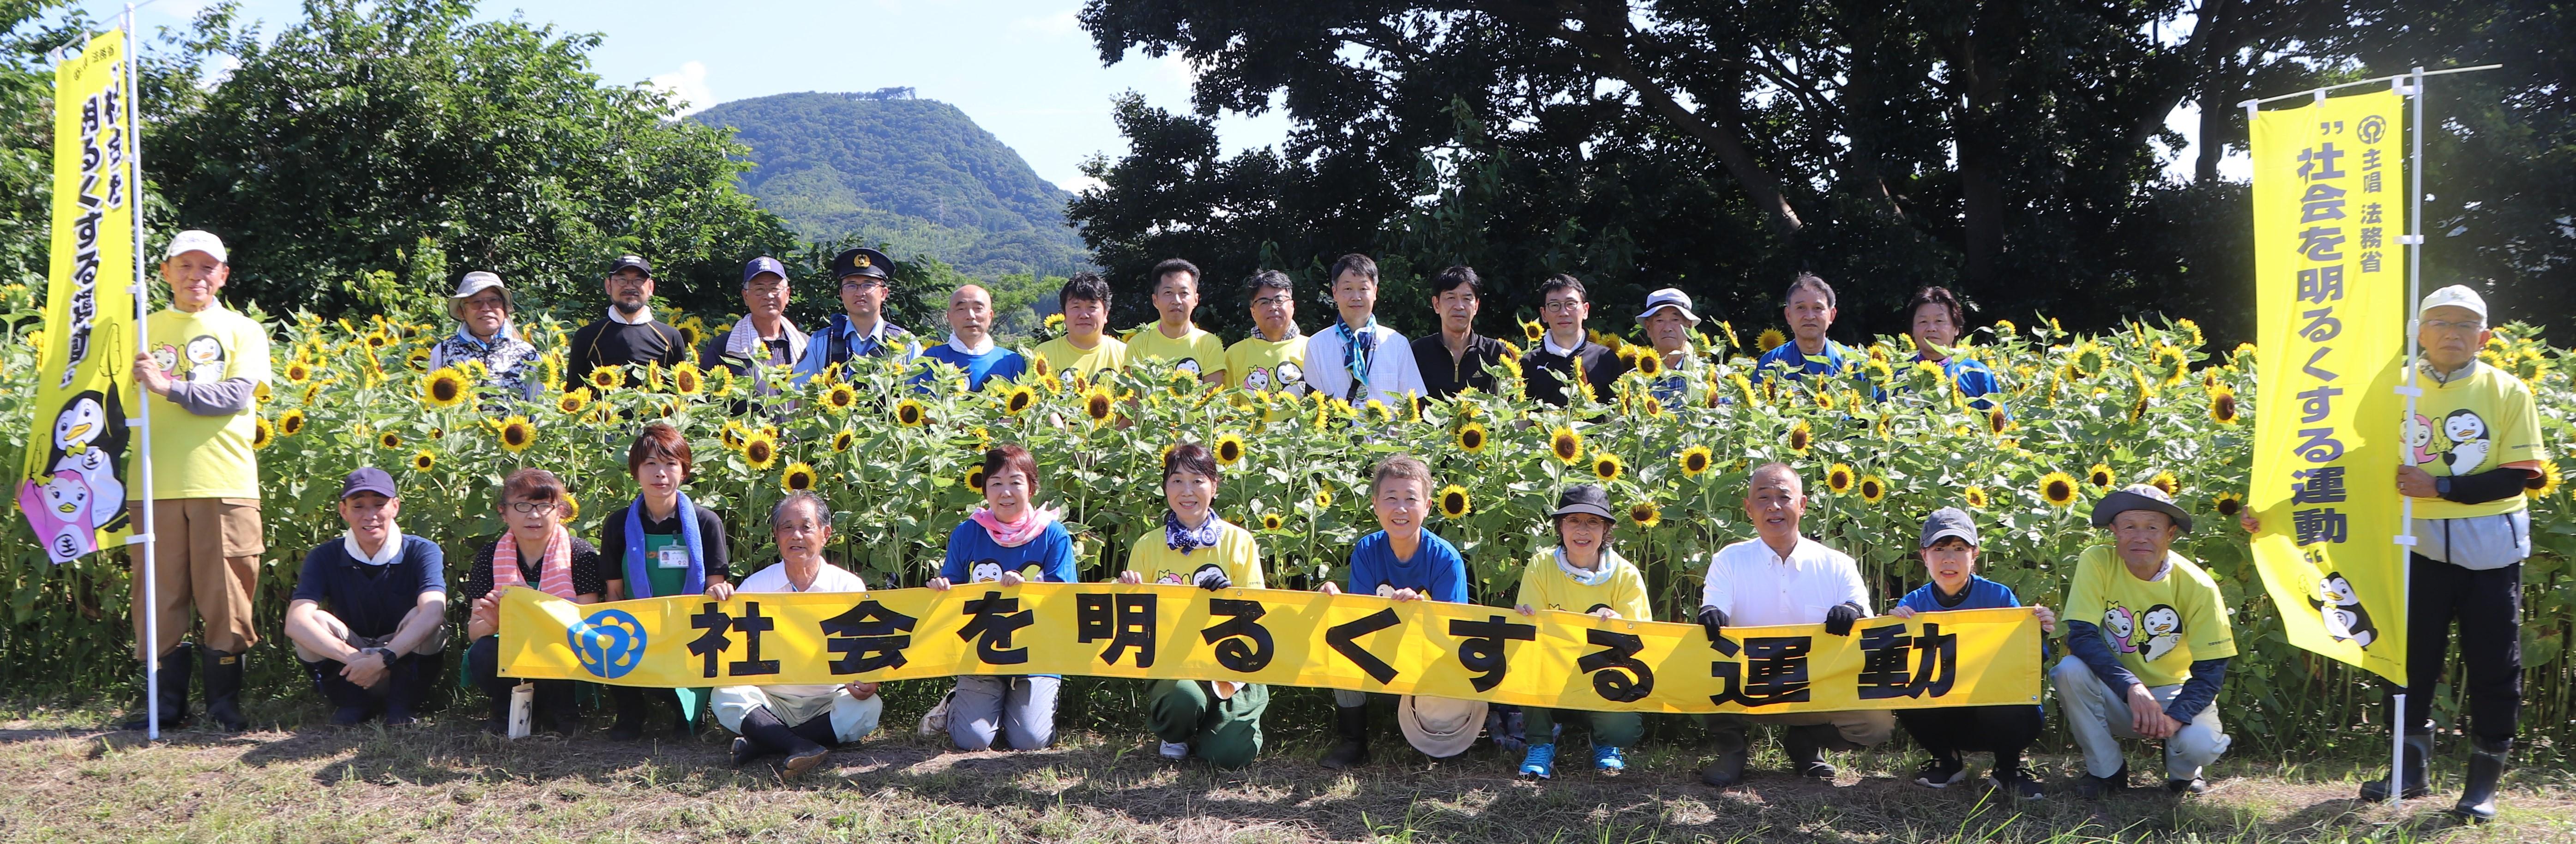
(916, 175)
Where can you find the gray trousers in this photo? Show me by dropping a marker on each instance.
(1003, 712)
(2100, 718)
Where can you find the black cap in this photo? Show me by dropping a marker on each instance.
(862, 261)
(631, 261)
(368, 479)
(1583, 498)
(2138, 497)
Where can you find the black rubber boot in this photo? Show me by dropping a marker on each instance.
(176, 666)
(223, 690)
(765, 730)
(1728, 770)
(1350, 738)
(1806, 747)
(629, 702)
(2486, 769)
(2410, 772)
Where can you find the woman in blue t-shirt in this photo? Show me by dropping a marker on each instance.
(1008, 542)
(1949, 551)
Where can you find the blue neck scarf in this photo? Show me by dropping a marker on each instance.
(1186, 540)
(638, 585)
(1358, 345)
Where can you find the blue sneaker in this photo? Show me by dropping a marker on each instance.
(1540, 763)
(1608, 759)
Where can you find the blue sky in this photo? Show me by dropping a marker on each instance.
(1023, 69)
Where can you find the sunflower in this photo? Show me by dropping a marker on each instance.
(839, 398)
(443, 388)
(1323, 499)
(2230, 504)
(298, 371)
(572, 507)
(423, 461)
(1096, 404)
(692, 331)
(1020, 398)
(378, 339)
(290, 423)
(1839, 479)
(517, 433)
(1381, 412)
(1472, 437)
(2099, 476)
(798, 477)
(974, 478)
(389, 441)
(2089, 359)
(1744, 387)
(2165, 481)
(1769, 339)
(760, 451)
(733, 434)
(1976, 496)
(1229, 450)
(1650, 364)
(1607, 466)
(1825, 399)
(1872, 488)
(843, 439)
(1877, 369)
(1055, 323)
(573, 402)
(1997, 421)
(1533, 330)
(2057, 488)
(2169, 364)
(1800, 436)
(1565, 444)
(1695, 460)
(606, 378)
(418, 359)
(261, 434)
(2222, 405)
(1454, 502)
(2548, 480)
(1645, 514)
(1270, 521)
(685, 379)
(260, 392)
(910, 414)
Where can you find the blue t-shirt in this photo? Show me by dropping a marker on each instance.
(1981, 594)
(973, 556)
(1797, 365)
(1436, 570)
(1973, 378)
(995, 362)
(372, 600)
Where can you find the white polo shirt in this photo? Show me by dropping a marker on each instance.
(1757, 587)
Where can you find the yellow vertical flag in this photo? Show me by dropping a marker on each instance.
(2329, 204)
(73, 487)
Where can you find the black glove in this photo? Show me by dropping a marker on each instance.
(1211, 579)
(1713, 620)
(1839, 620)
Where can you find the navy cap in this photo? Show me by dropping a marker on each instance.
(1583, 498)
(368, 479)
(762, 264)
(1948, 522)
(862, 261)
(633, 262)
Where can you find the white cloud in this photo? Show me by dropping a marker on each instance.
(1079, 184)
(687, 87)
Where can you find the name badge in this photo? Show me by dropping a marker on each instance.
(675, 558)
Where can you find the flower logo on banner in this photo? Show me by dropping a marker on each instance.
(609, 643)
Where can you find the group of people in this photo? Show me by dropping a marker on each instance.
(2146, 632)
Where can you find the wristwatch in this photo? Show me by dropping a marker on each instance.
(2442, 486)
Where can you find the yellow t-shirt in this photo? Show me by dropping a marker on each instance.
(1255, 364)
(1197, 350)
(204, 456)
(1235, 552)
(2157, 628)
(2471, 425)
(1544, 586)
(1065, 361)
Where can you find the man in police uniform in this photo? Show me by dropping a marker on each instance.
(867, 278)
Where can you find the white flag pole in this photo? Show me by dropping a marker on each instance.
(2413, 240)
(151, 608)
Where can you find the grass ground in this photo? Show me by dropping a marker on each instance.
(447, 781)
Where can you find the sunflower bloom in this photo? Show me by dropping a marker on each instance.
(517, 433)
(290, 423)
(2099, 476)
(2166, 482)
(389, 441)
(1323, 499)
(2057, 488)
(1976, 496)
(760, 451)
(1801, 436)
(423, 461)
(606, 378)
(686, 380)
(1454, 502)
(839, 398)
(2222, 405)
(573, 402)
(1695, 460)
(1607, 466)
(1270, 521)
(1645, 514)
(843, 439)
(1873, 488)
(2229, 504)
(1229, 450)
(2089, 359)
(1096, 404)
(1019, 399)
(910, 414)
(1472, 437)
(1839, 479)
(261, 434)
(1769, 339)
(1565, 444)
(2549, 479)
(798, 477)
(974, 479)
(297, 372)
(443, 388)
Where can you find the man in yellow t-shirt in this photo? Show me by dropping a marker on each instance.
(203, 365)
(1220, 720)
(2149, 641)
(1084, 350)
(1174, 337)
(1581, 574)
(1274, 357)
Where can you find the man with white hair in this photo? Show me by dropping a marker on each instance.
(764, 338)
(203, 364)
(800, 722)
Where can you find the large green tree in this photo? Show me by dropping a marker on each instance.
(402, 135)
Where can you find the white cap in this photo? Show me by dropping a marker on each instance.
(197, 240)
(2457, 296)
(1670, 297)
(1440, 727)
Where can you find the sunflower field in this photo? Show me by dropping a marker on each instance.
(1878, 447)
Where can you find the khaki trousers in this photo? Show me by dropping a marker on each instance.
(206, 556)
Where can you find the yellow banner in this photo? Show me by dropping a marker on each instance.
(2329, 205)
(73, 487)
(1555, 659)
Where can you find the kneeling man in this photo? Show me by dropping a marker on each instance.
(2150, 643)
(369, 614)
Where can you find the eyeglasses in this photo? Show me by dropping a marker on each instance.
(1561, 306)
(629, 281)
(486, 305)
(861, 286)
(2447, 325)
(529, 508)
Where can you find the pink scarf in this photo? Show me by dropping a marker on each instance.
(554, 575)
(1016, 534)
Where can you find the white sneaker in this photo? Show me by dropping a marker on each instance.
(1175, 751)
(935, 722)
